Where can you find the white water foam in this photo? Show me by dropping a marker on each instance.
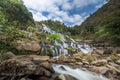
(77, 73)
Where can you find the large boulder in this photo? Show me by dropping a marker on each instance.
(101, 62)
(99, 70)
(25, 67)
(103, 51)
(5, 56)
(28, 45)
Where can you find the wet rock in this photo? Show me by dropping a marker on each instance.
(85, 62)
(98, 51)
(79, 63)
(61, 77)
(113, 64)
(113, 73)
(118, 62)
(113, 68)
(115, 50)
(47, 66)
(25, 44)
(65, 77)
(100, 70)
(78, 55)
(8, 67)
(109, 59)
(19, 67)
(33, 58)
(109, 74)
(108, 51)
(103, 51)
(38, 59)
(102, 62)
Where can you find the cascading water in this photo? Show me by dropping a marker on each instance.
(62, 46)
(79, 74)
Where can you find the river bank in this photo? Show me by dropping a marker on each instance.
(35, 67)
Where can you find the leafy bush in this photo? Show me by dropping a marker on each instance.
(42, 36)
(13, 32)
(54, 37)
(30, 29)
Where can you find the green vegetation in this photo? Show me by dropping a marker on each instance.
(13, 32)
(57, 26)
(54, 37)
(102, 26)
(14, 14)
(42, 36)
(14, 21)
(6, 46)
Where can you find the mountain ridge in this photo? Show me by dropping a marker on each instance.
(103, 25)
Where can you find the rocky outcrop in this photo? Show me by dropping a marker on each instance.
(28, 45)
(35, 67)
(24, 68)
(106, 64)
(5, 56)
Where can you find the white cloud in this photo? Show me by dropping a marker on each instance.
(39, 17)
(55, 13)
(100, 5)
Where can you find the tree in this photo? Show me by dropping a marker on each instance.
(16, 14)
(112, 25)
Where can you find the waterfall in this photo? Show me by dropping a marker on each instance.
(63, 50)
(60, 48)
(79, 74)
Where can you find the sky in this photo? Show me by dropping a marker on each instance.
(70, 12)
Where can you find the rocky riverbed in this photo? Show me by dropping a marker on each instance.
(34, 67)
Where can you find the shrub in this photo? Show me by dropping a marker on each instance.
(54, 37)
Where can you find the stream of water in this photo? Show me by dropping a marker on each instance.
(77, 73)
(60, 48)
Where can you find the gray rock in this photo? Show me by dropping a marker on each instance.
(25, 67)
(25, 44)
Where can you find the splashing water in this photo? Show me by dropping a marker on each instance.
(63, 45)
(77, 73)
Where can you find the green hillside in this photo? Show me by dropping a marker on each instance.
(104, 25)
(13, 13)
(57, 26)
(15, 20)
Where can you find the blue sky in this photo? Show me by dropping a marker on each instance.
(71, 12)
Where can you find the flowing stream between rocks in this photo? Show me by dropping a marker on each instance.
(77, 73)
(59, 49)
